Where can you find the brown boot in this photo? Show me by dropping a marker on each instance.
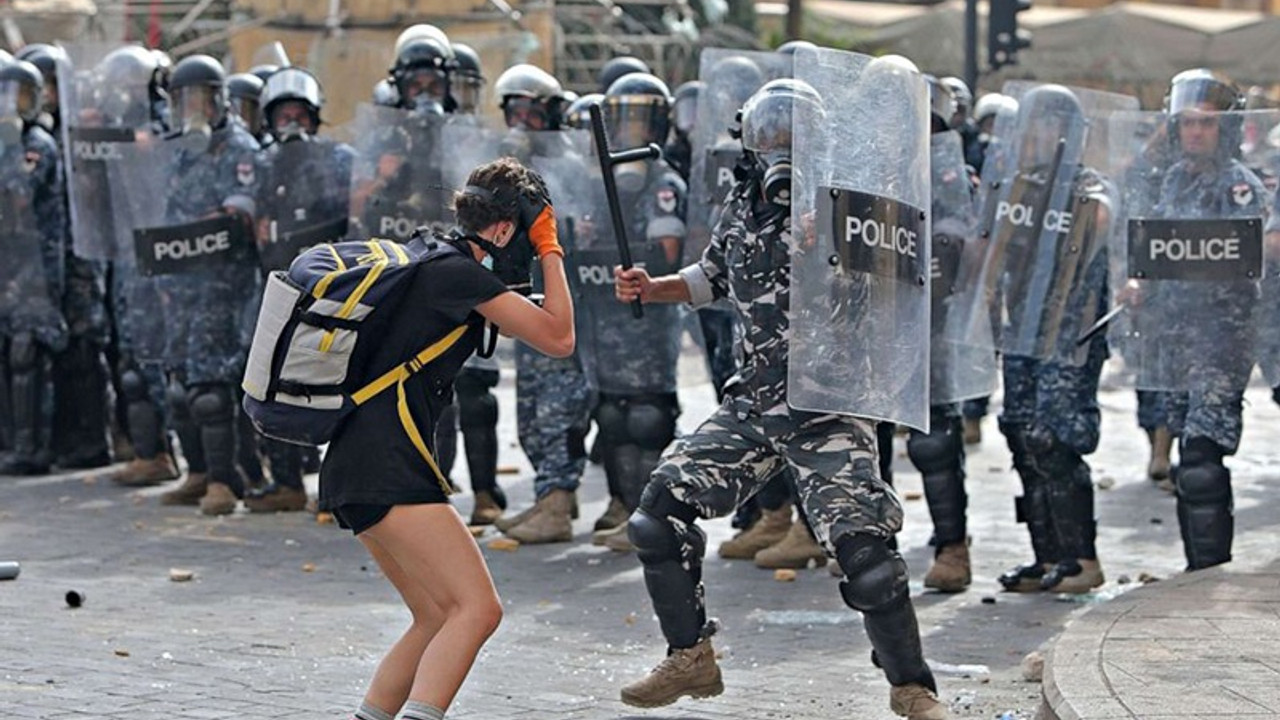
(219, 500)
(691, 672)
(486, 510)
(616, 514)
(601, 537)
(950, 571)
(193, 487)
(145, 473)
(972, 431)
(549, 522)
(1161, 447)
(620, 541)
(506, 522)
(276, 498)
(796, 550)
(1089, 578)
(769, 530)
(916, 702)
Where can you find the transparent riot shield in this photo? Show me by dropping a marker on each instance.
(468, 144)
(731, 76)
(304, 199)
(26, 303)
(103, 106)
(620, 354)
(860, 264)
(1037, 266)
(398, 181)
(1190, 254)
(176, 239)
(957, 370)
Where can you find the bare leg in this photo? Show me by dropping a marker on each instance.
(433, 548)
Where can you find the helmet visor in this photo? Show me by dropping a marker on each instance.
(766, 124)
(634, 121)
(526, 113)
(17, 100)
(684, 114)
(196, 107)
(418, 84)
(249, 111)
(1204, 95)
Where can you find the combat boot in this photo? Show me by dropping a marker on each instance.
(972, 431)
(506, 522)
(1074, 577)
(1161, 447)
(950, 572)
(218, 500)
(616, 514)
(768, 530)
(690, 672)
(549, 522)
(795, 550)
(486, 509)
(276, 498)
(193, 487)
(140, 472)
(916, 702)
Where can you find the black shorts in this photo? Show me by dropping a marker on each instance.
(358, 517)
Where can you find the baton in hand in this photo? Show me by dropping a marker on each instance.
(608, 160)
(1100, 325)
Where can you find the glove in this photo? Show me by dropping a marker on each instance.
(538, 219)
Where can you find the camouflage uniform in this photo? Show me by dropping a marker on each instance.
(832, 459)
(1218, 363)
(31, 321)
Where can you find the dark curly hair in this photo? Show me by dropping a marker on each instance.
(492, 194)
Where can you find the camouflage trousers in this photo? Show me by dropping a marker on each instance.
(1153, 409)
(832, 459)
(1055, 397)
(553, 407)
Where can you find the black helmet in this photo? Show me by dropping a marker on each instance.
(530, 98)
(264, 71)
(942, 105)
(578, 114)
(43, 56)
(296, 84)
(421, 74)
(619, 66)
(637, 111)
(731, 81)
(199, 90)
(21, 85)
(791, 46)
(684, 106)
(468, 79)
(1207, 92)
(1047, 115)
(244, 93)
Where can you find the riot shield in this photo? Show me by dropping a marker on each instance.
(859, 267)
(25, 301)
(174, 235)
(1189, 255)
(1037, 266)
(731, 76)
(304, 199)
(957, 370)
(101, 110)
(620, 354)
(468, 144)
(397, 184)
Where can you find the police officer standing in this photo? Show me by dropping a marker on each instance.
(35, 234)
(755, 432)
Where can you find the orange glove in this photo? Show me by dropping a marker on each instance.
(542, 233)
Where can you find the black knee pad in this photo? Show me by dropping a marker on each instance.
(651, 426)
(936, 452)
(176, 399)
(1204, 485)
(23, 353)
(477, 412)
(875, 577)
(1200, 451)
(210, 404)
(611, 418)
(475, 381)
(133, 386)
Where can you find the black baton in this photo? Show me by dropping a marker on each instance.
(608, 160)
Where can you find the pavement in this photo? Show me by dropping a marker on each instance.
(287, 618)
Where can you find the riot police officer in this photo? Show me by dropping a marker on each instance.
(212, 172)
(468, 80)
(31, 322)
(754, 433)
(245, 104)
(552, 395)
(421, 75)
(303, 201)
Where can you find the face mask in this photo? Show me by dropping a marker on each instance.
(630, 177)
(290, 132)
(775, 180)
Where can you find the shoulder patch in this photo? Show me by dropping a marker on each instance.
(1242, 194)
(667, 200)
(30, 161)
(244, 172)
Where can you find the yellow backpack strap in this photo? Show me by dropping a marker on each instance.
(405, 370)
(415, 436)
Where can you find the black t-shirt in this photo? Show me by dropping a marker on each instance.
(370, 459)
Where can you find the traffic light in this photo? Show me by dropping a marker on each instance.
(1004, 39)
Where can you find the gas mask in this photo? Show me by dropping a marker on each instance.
(774, 170)
(291, 132)
(630, 176)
